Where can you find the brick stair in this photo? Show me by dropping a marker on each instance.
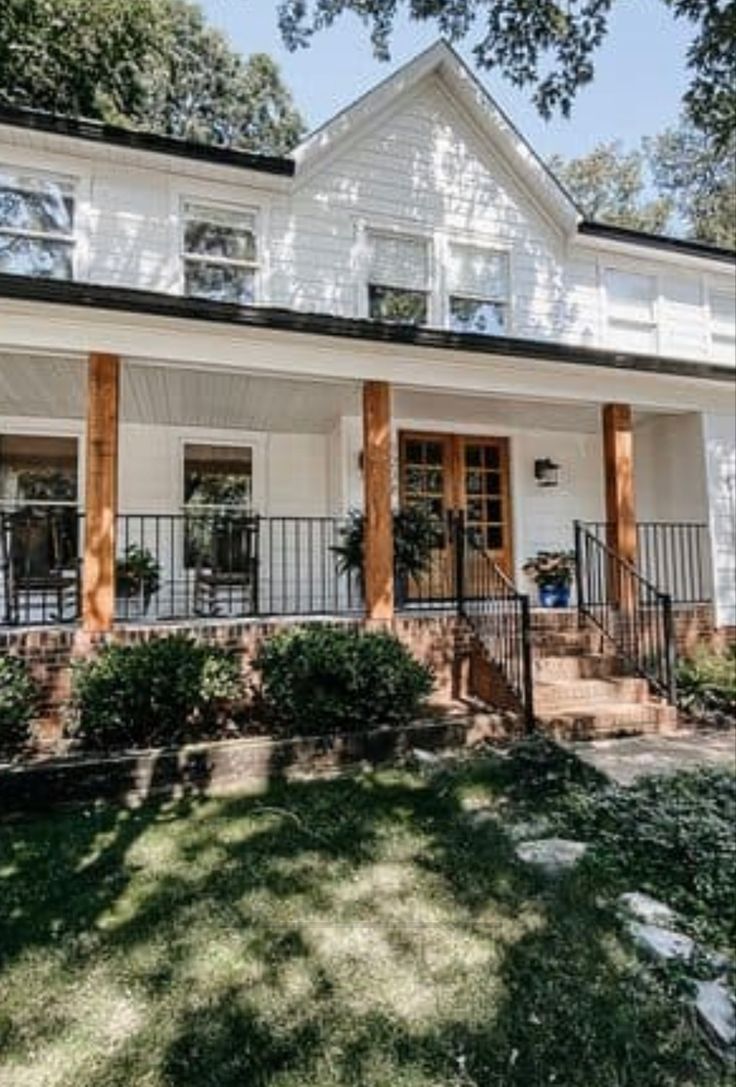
(582, 691)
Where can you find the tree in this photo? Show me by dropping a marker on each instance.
(608, 185)
(152, 64)
(547, 44)
(700, 180)
(679, 181)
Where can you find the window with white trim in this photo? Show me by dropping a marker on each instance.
(722, 326)
(478, 290)
(36, 225)
(632, 320)
(398, 278)
(220, 254)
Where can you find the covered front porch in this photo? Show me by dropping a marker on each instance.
(146, 490)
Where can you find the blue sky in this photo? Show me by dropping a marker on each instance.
(640, 72)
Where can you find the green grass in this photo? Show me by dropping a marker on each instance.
(354, 931)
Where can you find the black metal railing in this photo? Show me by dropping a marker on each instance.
(223, 564)
(40, 567)
(498, 614)
(632, 613)
(673, 555)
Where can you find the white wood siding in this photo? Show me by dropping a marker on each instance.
(421, 166)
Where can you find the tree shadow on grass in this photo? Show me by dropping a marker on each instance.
(354, 931)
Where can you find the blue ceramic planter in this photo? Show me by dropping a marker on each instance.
(554, 596)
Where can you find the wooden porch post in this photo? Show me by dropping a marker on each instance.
(618, 455)
(101, 496)
(378, 573)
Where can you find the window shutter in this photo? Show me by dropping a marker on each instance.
(397, 261)
(480, 273)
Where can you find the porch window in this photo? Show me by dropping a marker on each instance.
(38, 471)
(36, 225)
(722, 328)
(632, 321)
(218, 477)
(478, 284)
(220, 254)
(398, 279)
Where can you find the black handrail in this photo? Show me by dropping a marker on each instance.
(498, 613)
(629, 610)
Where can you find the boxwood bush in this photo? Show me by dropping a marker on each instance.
(164, 691)
(706, 684)
(321, 680)
(18, 697)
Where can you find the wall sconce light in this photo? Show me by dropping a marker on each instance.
(546, 472)
(361, 461)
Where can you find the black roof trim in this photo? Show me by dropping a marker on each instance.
(657, 241)
(132, 300)
(99, 132)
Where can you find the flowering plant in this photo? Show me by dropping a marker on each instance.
(551, 569)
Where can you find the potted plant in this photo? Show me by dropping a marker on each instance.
(552, 572)
(137, 575)
(415, 537)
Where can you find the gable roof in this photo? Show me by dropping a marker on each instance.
(442, 61)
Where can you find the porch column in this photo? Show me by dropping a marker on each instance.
(618, 456)
(378, 573)
(101, 496)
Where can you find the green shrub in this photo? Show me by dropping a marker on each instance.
(164, 691)
(672, 836)
(321, 680)
(707, 683)
(18, 696)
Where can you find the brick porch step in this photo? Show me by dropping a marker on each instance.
(575, 722)
(549, 697)
(550, 669)
(567, 643)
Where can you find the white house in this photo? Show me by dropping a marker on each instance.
(408, 308)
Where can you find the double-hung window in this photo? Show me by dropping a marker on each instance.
(220, 253)
(398, 278)
(631, 299)
(36, 225)
(722, 326)
(478, 290)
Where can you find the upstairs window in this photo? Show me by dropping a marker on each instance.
(36, 225)
(398, 279)
(723, 326)
(220, 254)
(478, 285)
(632, 322)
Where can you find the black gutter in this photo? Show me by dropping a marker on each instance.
(131, 300)
(656, 241)
(97, 132)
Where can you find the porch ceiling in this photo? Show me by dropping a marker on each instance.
(47, 387)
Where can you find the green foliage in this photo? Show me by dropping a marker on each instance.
(672, 836)
(163, 691)
(551, 569)
(18, 696)
(707, 683)
(137, 573)
(415, 537)
(321, 680)
(693, 179)
(549, 46)
(150, 64)
(608, 185)
(540, 770)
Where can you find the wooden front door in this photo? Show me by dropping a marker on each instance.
(447, 473)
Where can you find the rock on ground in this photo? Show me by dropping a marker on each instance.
(552, 856)
(662, 943)
(715, 1007)
(647, 909)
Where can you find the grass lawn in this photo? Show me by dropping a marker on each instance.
(356, 931)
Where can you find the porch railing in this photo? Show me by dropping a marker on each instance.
(498, 614)
(632, 613)
(674, 556)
